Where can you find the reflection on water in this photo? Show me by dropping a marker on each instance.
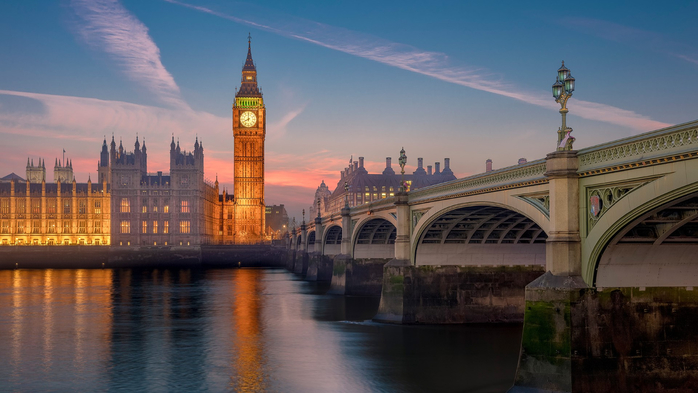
(241, 330)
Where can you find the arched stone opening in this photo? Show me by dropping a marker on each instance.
(481, 235)
(298, 241)
(375, 239)
(311, 241)
(333, 240)
(657, 249)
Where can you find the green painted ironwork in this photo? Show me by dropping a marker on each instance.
(249, 102)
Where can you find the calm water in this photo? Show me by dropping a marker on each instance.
(227, 330)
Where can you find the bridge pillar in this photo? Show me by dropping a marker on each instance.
(402, 238)
(547, 361)
(563, 247)
(302, 254)
(315, 256)
(340, 262)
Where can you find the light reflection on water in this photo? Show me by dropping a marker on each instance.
(244, 330)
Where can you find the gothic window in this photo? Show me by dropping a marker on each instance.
(36, 206)
(165, 227)
(82, 226)
(125, 226)
(185, 207)
(66, 226)
(97, 227)
(98, 207)
(125, 205)
(230, 230)
(66, 207)
(166, 208)
(5, 206)
(155, 227)
(82, 206)
(51, 226)
(184, 226)
(144, 227)
(144, 209)
(21, 205)
(20, 226)
(5, 228)
(51, 207)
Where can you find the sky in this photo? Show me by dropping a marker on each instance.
(469, 80)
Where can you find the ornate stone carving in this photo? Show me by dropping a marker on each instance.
(600, 199)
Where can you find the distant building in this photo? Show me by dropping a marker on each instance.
(488, 165)
(365, 187)
(276, 219)
(522, 161)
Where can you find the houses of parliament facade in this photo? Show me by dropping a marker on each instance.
(128, 206)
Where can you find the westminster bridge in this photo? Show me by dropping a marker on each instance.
(594, 250)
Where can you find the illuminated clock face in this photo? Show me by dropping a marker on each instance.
(248, 119)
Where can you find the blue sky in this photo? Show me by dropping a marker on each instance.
(465, 80)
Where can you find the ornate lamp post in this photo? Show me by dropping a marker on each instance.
(303, 216)
(346, 195)
(402, 161)
(562, 91)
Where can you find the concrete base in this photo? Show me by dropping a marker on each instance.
(291, 258)
(357, 277)
(311, 272)
(339, 274)
(579, 339)
(454, 294)
(324, 269)
(300, 265)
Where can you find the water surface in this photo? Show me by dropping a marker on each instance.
(228, 330)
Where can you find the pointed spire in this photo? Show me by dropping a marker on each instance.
(89, 178)
(143, 145)
(27, 162)
(55, 165)
(249, 63)
(172, 145)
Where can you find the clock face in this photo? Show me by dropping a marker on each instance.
(248, 119)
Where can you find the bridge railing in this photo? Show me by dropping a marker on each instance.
(533, 170)
(665, 142)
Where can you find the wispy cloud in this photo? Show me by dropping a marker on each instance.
(107, 26)
(277, 129)
(433, 64)
(638, 38)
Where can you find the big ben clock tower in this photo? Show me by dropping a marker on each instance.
(249, 130)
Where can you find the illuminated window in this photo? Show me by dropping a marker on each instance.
(36, 206)
(5, 227)
(184, 227)
(185, 207)
(21, 206)
(165, 227)
(5, 206)
(144, 209)
(66, 207)
(230, 230)
(144, 227)
(166, 209)
(125, 205)
(36, 226)
(155, 227)
(66, 226)
(82, 206)
(391, 189)
(98, 227)
(382, 194)
(51, 207)
(20, 226)
(155, 209)
(51, 226)
(125, 226)
(82, 227)
(98, 207)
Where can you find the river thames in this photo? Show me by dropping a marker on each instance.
(244, 330)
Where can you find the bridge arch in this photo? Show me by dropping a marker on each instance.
(650, 240)
(310, 241)
(479, 233)
(333, 240)
(299, 239)
(374, 238)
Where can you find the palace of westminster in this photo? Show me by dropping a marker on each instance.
(128, 206)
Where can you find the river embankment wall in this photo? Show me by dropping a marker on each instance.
(95, 257)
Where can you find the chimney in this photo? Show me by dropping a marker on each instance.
(429, 170)
(361, 162)
(522, 161)
(488, 165)
(420, 167)
(356, 165)
(447, 167)
(388, 167)
(437, 166)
